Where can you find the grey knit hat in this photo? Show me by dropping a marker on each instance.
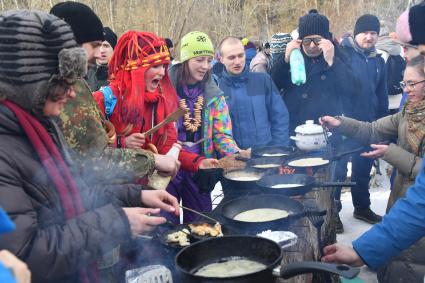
(35, 48)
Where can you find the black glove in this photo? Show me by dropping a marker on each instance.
(206, 179)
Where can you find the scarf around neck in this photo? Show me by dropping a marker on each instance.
(415, 114)
(56, 169)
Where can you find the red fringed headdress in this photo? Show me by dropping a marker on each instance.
(135, 53)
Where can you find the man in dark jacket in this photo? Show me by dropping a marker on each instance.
(97, 74)
(328, 79)
(259, 115)
(369, 104)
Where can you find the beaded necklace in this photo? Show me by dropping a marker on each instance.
(192, 124)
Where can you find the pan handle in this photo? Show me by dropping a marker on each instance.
(335, 184)
(308, 213)
(292, 269)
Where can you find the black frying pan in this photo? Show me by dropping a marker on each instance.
(237, 205)
(232, 187)
(307, 183)
(270, 150)
(265, 251)
(257, 162)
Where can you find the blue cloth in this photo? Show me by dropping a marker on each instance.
(6, 275)
(403, 101)
(109, 100)
(399, 229)
(322, 94)
(371, 100)
(6, 225)
(259, 115)
(249, 55)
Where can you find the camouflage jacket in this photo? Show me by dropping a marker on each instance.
(83, 128)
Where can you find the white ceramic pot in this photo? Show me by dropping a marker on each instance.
(310, 136)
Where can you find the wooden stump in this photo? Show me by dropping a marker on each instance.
(307, 247)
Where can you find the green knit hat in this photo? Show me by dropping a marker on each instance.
(195, 44)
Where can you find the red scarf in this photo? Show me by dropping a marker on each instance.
(56, 168)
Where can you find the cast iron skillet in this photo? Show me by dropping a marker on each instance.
(258, 161)
(237, 205)
(260, 151)
(307, 184)
(192, 258)
(234, 187)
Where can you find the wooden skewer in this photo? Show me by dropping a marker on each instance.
(199, 213)
(170, 118)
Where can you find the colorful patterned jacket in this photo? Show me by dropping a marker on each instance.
(216, 123)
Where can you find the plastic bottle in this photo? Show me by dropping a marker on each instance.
(296, 61)
(159, 182)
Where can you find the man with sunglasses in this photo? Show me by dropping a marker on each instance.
(328, 79)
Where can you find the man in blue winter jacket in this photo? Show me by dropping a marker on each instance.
(259, 115)
(369, 104)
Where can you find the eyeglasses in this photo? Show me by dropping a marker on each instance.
(307, 41)
(409, 85)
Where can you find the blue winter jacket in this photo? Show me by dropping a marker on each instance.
(323, 92)
(258, 113)
(399, 229)
(371, 101)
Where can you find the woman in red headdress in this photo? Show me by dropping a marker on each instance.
(141, 95)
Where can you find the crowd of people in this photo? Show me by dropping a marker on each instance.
(76, 100)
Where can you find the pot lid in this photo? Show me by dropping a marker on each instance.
(309, 128)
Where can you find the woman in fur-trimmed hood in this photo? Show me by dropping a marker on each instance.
(62, 226)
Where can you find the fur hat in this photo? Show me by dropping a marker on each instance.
(367, 22)
(36, 47)
(85, 24)
(313, 23)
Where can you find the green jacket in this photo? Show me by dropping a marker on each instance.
(82, 126)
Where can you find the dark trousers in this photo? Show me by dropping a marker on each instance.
(360, 173)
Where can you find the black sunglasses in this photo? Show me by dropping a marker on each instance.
(308, 41)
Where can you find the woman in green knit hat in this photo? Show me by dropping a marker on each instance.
(207, 117)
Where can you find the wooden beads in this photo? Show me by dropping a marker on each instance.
(192, 124)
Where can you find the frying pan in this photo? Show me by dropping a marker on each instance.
(234, 187)
(307, 184)
(237, 205)
(162, 234)
(260, 151)
(261, 250)
(258, 161)
(320, 154)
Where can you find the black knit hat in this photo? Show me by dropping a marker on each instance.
(417, 23)
(110, 36)
(85, 24)
(313, 23)
(36, 47)
(367, 23)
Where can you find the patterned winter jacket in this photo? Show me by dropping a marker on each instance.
(216, 123)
